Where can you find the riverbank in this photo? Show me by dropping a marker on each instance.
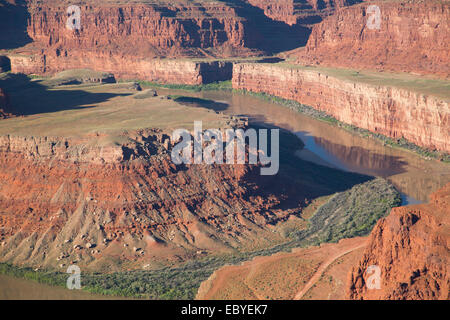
(381, 103)
(313, 113)
(322, 116)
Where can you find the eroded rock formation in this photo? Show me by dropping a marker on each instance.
(300, 11)
(412, 38)
(387, 110)
(124, 38)
(411, 248)
(84, 200)
(158, 70)
(138, 29)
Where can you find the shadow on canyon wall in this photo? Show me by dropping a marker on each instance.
(29, 97)
(5, 64)
(355, 156)
(13, 24)
(266, 34)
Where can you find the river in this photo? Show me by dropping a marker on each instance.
(415, 177)
(21, 289)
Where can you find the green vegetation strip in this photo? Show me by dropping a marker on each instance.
(222, 85)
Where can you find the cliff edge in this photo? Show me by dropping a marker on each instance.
(411, 37)
(411, 249)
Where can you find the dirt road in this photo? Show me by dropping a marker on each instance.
(323, 267)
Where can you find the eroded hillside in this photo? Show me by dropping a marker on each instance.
(412, 37)
(411, 248)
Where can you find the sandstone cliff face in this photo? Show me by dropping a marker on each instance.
(127, 39)
(300, 11)
(138, 29)
(66, 200)
(412, 38)
(123, 67)
(123, 39)
(174, 28)
(411, 248)
(381, 109)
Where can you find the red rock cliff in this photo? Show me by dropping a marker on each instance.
(299, 11)
(382, 109)
(65, 200)
(125, 67)
(413, 37)
(411, 248)
(138, 29)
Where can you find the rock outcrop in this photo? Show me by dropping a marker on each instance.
(412, 37)
(382, 109)
(58, 196)
(139, 29)
(411, 249)
(132, 40)
(158, 70)
(125, 38)
(300, 11)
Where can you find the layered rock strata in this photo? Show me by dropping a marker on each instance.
(67, 200)
(157, 70)
(411, 37)
(390, 111)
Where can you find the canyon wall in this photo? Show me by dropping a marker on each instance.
(138, 29)
(129, 39)
(412, 38)
(411, 248)
(178, 28)
(122, 37)
(300, 11)
(159, 70)
(386, 110)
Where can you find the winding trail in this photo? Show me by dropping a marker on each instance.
(229, 282)
(323, 267)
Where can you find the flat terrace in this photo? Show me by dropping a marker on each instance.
(417, 83)
(91, 108)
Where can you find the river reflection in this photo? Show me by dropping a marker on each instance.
(325, 144)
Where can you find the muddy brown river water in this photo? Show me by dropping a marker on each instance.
(19, 289)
